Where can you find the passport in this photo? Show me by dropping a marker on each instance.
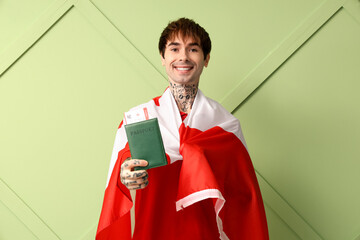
(145, 142)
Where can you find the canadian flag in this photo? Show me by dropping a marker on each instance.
(207, 191)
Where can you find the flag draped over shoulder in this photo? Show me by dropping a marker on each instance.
(207, 191)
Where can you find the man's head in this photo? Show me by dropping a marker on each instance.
(185, 50)
(185, 28)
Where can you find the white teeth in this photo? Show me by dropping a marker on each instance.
(183, 69)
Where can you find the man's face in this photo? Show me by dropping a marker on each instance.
(184, 60)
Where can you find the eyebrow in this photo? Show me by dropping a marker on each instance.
(174, 44)
(178, 44)
(194, 44)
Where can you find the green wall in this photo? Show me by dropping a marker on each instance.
(287, 69)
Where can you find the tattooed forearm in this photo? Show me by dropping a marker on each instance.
(184, 95)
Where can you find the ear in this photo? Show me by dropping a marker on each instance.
(162, 59)
(207, 59)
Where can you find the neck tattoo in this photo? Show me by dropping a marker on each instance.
(184, 95)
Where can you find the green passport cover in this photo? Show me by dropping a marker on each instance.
(145, 142)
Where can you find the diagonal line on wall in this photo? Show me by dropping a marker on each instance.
(281, 53)
(357, 238)
(31, 35)
(137, 49)
(256, 77)
(90, 233)
(267, 206)
(25, 214)
(284, 210)
(353, 8)
(151, 75)
(6, 207)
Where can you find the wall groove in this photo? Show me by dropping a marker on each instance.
(286, 212)
(280, 54)
(25, 214)
(353, 8)
(31, 35)
(115, 37)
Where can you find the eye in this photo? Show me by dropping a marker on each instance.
(173, 49)
(194, 50)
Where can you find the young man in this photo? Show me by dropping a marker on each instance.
(209, 189)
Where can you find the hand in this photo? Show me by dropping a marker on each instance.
(134, 179)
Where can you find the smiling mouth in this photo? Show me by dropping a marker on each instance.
(183, 68)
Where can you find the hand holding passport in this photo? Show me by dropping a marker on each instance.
(144, 138)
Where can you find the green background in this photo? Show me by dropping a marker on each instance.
(288, 70)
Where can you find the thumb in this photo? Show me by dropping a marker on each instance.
(140, 163)
(143, 163)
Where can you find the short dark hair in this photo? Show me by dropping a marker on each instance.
(186, 28)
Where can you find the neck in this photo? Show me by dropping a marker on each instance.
(184, 95)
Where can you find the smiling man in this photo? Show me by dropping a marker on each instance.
(184, 61)
(208, 189)
(184, 54)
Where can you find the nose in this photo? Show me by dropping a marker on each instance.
(183, 55)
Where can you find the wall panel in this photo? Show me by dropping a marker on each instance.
(14, 229)
(16, 17)
(61, 104)
(301, 128)
(278, 229)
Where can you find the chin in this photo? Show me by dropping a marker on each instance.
(185, 81)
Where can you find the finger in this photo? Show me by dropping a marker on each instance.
(125, 164)
(128, 165)
(133, 175)
(130, 182)
(139, 163)
(138, 186)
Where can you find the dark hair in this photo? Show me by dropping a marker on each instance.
(185, 28)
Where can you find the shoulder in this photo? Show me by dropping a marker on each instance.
(212, 106)
(210, 113)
